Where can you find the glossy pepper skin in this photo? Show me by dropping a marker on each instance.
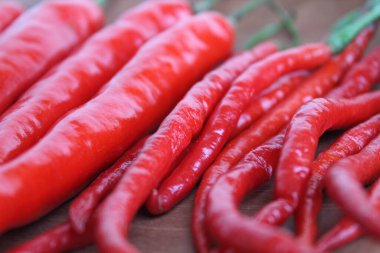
(26, 52)
(344, 185)
(318, 84)
(225, 116)
(170, 139)
(268, 99)
(96, 133)
(347, 229)
(77, 231)
(80, 76)
(225, 222)
(9, 11)
(187, 119)
(301, 140)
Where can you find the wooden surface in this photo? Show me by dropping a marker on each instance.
(171, 233)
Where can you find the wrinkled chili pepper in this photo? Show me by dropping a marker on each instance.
(301, 141)
(349, 143)
(9, 11)
(80, 76)
(270, 97)
(95, 134)
(343, 183)
(188, 118)
(225, 116)
(316, 85)
(40, 38)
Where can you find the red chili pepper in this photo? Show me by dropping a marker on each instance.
(84, 205)
(301, 139)
(347, 229)
(224, 118)
(9, 11)
(361, 78)
(225, 222)
(80, 76)
(349, 143)
(58, 239)
(134, 100)
(316, 85)
(188, 118)
(266, 101)
(343, 182)
(40, 38)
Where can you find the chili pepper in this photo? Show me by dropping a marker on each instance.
(26, 50)
(301, 139)
(188, 118)
(9, 11)
(58, 239)
(80, 76)
(349, 143)
(227, 225)
(225, 116)
(139, 96)
(347, 229)
(316, 85)
(268, 99)
(348, 174)
(84, 205)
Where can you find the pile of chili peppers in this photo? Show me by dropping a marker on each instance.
(138, 112)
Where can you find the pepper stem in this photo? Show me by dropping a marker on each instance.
(237, 15)
(266, 32)
(102, 3)
(204, 5)
(339, 40)
(345, 20)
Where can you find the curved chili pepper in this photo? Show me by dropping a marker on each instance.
(26, 52)
(187, 119)
(316, 85)
(349, 143)
(80, 76)
(347, 229)
(268, 99)
(134, 100)
(361, 78)
(345, 177)
(227, 225)
(84, 204)
(9, 11)
(225, 116)
(58, 239)
(301, 140)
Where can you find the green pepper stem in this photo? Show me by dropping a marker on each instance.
(204, 5)
(237, 15)
(266, 32)
(102, 3)
(339, 40)
(345, 20)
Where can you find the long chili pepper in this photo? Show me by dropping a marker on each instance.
(85, 203)
(343, 182)
(347, 229)
(225, 116)
(316, 85)
(91, 136)
(225, 222)
(309, 123)
(198, 104)
(269, 99)
(80, 76)
(349, 143)
(26, 52)
(76, 232)
(61, 238)
(361, 78)
(9, 11)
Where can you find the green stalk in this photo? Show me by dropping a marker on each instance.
(266, 32)
(102, 3)
(204, 5)
(237, 15)
(339, 40)
(345, 20)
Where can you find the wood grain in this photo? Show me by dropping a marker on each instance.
(171, 233)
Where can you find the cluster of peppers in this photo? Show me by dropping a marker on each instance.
(153, 117)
